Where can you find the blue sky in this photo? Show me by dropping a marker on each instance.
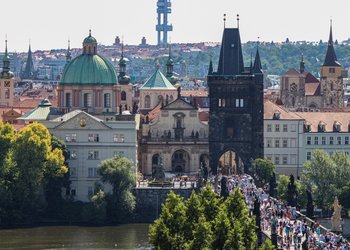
(49, 23)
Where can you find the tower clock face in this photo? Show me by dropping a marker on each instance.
(7, 83)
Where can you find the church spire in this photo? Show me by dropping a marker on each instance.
(302, 64)
(331, 57)
(257, 63)
(169, 65)
(210, 70)
(29, 72)
(123, 78)
(68, 55)
(6, 60)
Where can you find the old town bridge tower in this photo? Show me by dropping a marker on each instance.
(236, 109)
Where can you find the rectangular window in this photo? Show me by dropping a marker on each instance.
(293, 159)
(237, 103)
(308, 140)
(73, 171)
(68, 138)
(293, 128)
(316, 140)
(118, 138)
(241, 102)
(332, 70)
(269, 143)
(308, 156)
(331, 140)
(90, 191)
(285, 128)
(72, 154)
(93, 138)
(339, 140)
(92, 172)
(284, 159)
(285, 143)
(346, 140)
(277, 159)
(269, 157)
(277, 143)
(323, 140)
(73, 192)
(74, 137)
(293, 142)
(277, 128)
(93, 155)
(269, 128)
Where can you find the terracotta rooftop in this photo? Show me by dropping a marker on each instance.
(197, 93)
(312, 89)
(328, 118)
(274, 112)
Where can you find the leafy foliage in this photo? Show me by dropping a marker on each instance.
(327, 176)
(264, 170)
(204, 221)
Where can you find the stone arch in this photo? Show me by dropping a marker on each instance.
(155, 162)
(180, 161)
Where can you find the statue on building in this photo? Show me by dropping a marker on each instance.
(224, 191)
(336, 217)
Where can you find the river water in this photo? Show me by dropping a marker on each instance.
(131, 236)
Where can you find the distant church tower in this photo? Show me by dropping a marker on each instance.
(236, 108)
(6, 82)
(29, 72)
(331, 78)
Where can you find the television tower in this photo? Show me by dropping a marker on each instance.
(163, 9)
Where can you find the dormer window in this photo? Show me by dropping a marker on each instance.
(307, 127)
(321, 127)
(336, 127)
(276, 115)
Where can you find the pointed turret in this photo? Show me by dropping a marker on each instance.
(251, 63)
(29, 72)
(231, 57)
(69, 54)
(170, 68)
(302, 64)
(122, 77)
(257, 63)
(210, 70)
(331, 57)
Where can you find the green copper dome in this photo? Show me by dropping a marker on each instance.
(89, 69)
(90, 39)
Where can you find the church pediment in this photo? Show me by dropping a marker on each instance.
(179, 104)
(82, 120)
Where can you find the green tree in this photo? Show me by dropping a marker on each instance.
(167, 232)
(202, 235)
(210, 203)
(267, 245)
(264, 170)
(7, 134)
(320, 174)
(120, 174)
(235, 238)
(193, 213)
(222, 227)
(95, 211)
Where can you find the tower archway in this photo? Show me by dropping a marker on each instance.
(230, 163)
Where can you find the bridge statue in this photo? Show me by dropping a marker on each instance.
(336, 217)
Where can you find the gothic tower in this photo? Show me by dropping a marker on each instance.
(6, 82)
(331, 78)
(236, 109)
(29, 71)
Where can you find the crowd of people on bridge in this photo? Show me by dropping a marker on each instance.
(280, 220)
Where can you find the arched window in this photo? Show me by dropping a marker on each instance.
(160, 99)
(123, 96)
(171, 98)
(7, 93)
(107, 100)
(147, 101)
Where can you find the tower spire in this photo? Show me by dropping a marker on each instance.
(68, 55)
(6, 60)
(210, 70)
(331, 57)
(237, 21)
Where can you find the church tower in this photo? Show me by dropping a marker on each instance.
(236, 109)
(6, 82)
(29, 71)
(331, 78)
(170, 69)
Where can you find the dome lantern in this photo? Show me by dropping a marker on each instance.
(90, 45)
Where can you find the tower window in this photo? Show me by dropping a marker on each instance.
(123, 96)
(331, 70)
(147, 101)
(68, 100)
(87, 100)
(107, 100)
(7, 93)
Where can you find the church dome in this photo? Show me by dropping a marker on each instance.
(89, 69)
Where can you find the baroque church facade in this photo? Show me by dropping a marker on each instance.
(300, 89)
